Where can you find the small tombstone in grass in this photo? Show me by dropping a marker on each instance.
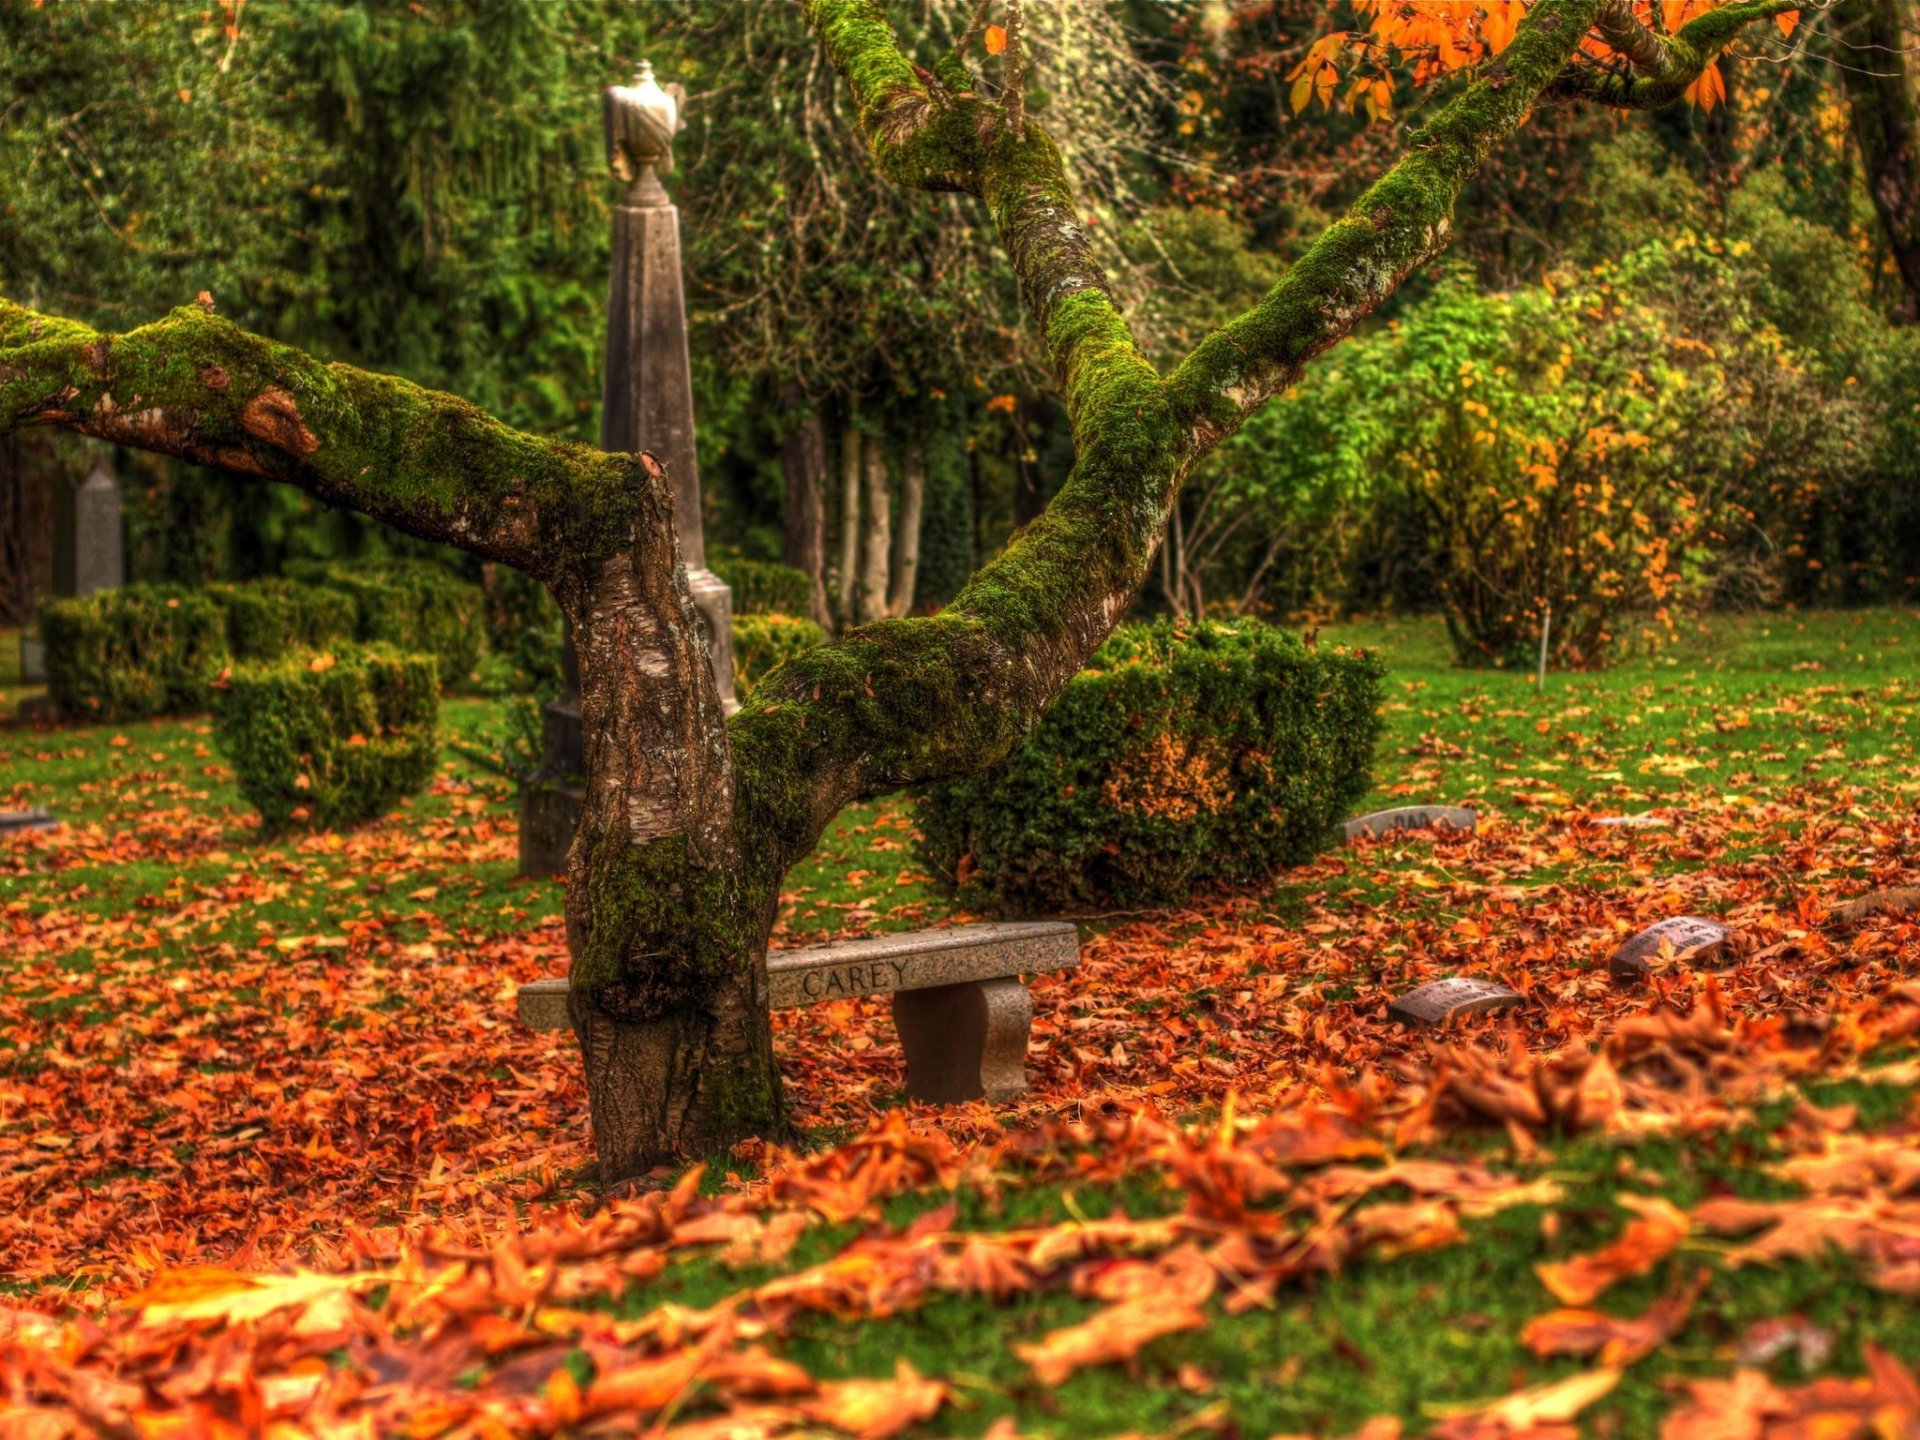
(1411, 817)
(1439, 1001)
(1684, 937)
(1896, 900)
(1627, 822)
(20, 822)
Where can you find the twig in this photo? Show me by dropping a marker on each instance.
(1015, 76)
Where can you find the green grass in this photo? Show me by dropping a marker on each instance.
(1737, 701)
(1818, 705)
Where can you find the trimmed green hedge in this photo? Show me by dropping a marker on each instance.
(763, 587)
(1216, 754)
(267, 618)
(415, 605)
(134, 653)
(330, 738)
(761, 642)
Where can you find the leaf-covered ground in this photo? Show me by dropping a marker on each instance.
(275, 1159)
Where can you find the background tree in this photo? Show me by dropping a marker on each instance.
(1873, 46)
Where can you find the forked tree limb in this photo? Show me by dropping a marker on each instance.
(914, 701)
(196, 386)
(911, 701)
(1662, 67)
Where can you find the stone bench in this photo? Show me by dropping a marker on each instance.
(958, 1002)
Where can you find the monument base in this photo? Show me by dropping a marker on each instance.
(552, 797)
(549, 813)
(33, 658)
(713, 599)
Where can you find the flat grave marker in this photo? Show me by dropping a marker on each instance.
(1691, 937)
(1411, 817)
(21, 822)
(1439, 1001)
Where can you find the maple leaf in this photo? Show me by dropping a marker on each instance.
(1115, 1333)
(877, 1409)
(205, 1292)
(1618, 1342)
(1645, 1242)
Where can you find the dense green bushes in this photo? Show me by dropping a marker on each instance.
(152, 649)
(329, 738)
(267, 618)
(1180, 757)
(763, 587)
(417, 606)
(129, 654)
(761, 642)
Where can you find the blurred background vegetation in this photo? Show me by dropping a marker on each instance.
(1662, 368)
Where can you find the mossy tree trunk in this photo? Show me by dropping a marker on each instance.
(691, 822)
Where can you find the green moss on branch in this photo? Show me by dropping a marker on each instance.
(197, 386)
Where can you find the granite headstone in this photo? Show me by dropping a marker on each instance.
(1411, 817)
(1439, 1001)
(1686, 937)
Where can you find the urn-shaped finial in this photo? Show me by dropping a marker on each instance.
(642, 119)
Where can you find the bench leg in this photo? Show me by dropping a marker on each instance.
(965, 1041)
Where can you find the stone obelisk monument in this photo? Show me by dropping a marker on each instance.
(647, 404)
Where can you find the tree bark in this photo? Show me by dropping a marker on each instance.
(876, 534)
(906, 535)
(851, 441)
(804, 512)
(26, 530)
(1879, 77)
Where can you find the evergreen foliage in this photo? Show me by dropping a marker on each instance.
(329, 738)
(763, 587)
(419, 606)
(267, 618)
(762, 641)
(949, 543)
(130, 654)
(1180, 758)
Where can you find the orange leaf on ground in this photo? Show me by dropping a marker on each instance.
(1641, 1246)
(1618, 1341)
(1537, 1412)
(876, 1409)
(1115, 1333)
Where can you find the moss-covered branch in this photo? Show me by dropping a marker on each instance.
(1661, 67)
(199, 387)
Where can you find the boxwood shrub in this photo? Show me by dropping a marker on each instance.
(1182, 757)
(267, 618)
(761, 642)
(129, 654)
(329, 738)
(413, 606)
(763, 587)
